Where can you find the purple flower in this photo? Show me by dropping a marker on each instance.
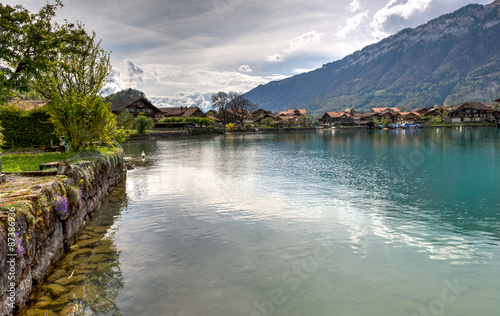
(18, 245)
(61, 205)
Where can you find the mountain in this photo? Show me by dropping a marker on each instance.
(124, 94)
(452, 59)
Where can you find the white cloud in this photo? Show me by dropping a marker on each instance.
(396, 13)
(304, 41)
(186, 99)
(183, 88)
(355, 6)
(245, 68)
(276, 58)
(352, 24)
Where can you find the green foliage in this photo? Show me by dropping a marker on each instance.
(197, 120)
(436, 120)
(143, 123)
(383, 121)
(83, 119)
(27, 45)
(248, 126)
(127, 93)
(173, 120)
(267, 121)
(1, 137)
(73, 84)
(304, 121)
(125, 120)
(82, 66)
(26, 128)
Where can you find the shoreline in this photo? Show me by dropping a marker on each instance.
(186, 133)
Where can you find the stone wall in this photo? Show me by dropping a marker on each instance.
(45, 220)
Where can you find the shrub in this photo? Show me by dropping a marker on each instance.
(125, 120)
(27, 129)
(143, 123)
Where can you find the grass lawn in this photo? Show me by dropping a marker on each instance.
(31, 162)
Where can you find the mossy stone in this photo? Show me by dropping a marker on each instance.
(103, 249)
(59, 303)
(87, 242)
(39, 312)
(97, 258)
(73, 280)
(56, 275)
(101, 229)
(77, 293)
(71, 309)
(43, 304)
(56, 290)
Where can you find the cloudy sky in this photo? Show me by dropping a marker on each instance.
(185, 50)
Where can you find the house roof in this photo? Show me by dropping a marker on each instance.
(214, 118)
(179, 111)
(293, 112)
(262, 111)
(338, 114)
(420, 110)
(474, 105)
(380, 110)
(28, 104)
(120, 104)
(412, 112)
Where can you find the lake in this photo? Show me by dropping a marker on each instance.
(333, 222)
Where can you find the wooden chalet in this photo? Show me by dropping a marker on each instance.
(262, 114)
(420, 111)
(384, 110)
(349, 117)
(182, 111)
(437, 111)
(407, 118)
(330, 118)
(296, 113)
(136, 106)
(472, 112)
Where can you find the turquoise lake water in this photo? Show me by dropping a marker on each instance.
(347, 223)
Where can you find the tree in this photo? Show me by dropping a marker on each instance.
(83, 119)
(1, 141)
(125, 120)
(27, 46)
(304, 121)
(220, 102)
(267, 121)
(143, 123)
(241, 107)
(384, 121)
(82, 66)
(126, 93)
(74, 83)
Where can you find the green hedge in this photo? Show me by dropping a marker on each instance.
(26, 129)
